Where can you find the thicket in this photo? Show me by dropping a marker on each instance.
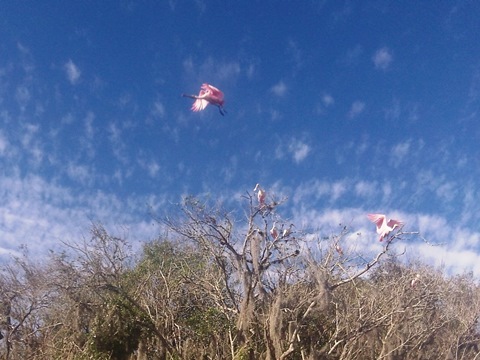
(217, 285)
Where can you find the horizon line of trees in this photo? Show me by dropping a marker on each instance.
(214, 286)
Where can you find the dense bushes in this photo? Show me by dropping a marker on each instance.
(218, 288)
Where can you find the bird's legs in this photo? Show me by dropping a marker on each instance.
(222, 110)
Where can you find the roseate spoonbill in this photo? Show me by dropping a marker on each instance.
(339, 249)
(208, 95)
(384, 227)
(261, 195)
(415, 280)
(274, 231)
(287, 231)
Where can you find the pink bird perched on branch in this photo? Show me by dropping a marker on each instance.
(384, 227)
(274, 231)
(261, 195)
(208, 95)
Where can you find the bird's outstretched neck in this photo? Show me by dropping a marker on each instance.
(190, 96)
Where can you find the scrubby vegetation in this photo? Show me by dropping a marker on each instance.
(218, 287)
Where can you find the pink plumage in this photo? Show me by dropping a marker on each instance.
(208, 95)
(261, 195)
(384, 227)
(274, 231)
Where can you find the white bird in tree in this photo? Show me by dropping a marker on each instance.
(274, 231)
(384, 227)
(339, 249)
(261, 195)
(287, 231)
(208, 95)
(415, 280)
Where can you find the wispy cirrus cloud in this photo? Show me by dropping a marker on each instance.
(295, 53)
(41, 214)
(382, 58)
(325, 102)
(72, 71)
(356, 109)
(158, 110)
(23, 96)
(217, 71)
(87, 139)
(366, 189)
(310, 192)
(4, 144)
(279, 89)
(298, 149)
(80, 173)
(400, 151)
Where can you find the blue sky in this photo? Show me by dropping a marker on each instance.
(343, 107)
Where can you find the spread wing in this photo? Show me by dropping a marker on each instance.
(199, 105)
(378, 219)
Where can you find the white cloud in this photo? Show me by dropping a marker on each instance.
(117, 142)
(31, 144)
(40, 214)
(447, 191)
(356, 109)
(382, 58)
(279, 89)
(365, 189)
(310, 192)
(228, 71)
(338, 189)
(152, 167)
(251, 69)
(3, 144)
(400, 151)
(22, 95)
(188, 65)
(328, 100)
(296, 54)
(87, 140)
(211, 70)
(299, 150)
(79, 173)
(72, 71)
(158, 110)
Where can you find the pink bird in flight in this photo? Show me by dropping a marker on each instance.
(384, 227)
(208, 95)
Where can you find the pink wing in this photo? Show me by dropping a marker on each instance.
(378, 219)
(261, 196)
(213, 95)
(199, 105)
(392, 223)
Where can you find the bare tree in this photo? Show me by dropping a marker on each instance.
(218, 286)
